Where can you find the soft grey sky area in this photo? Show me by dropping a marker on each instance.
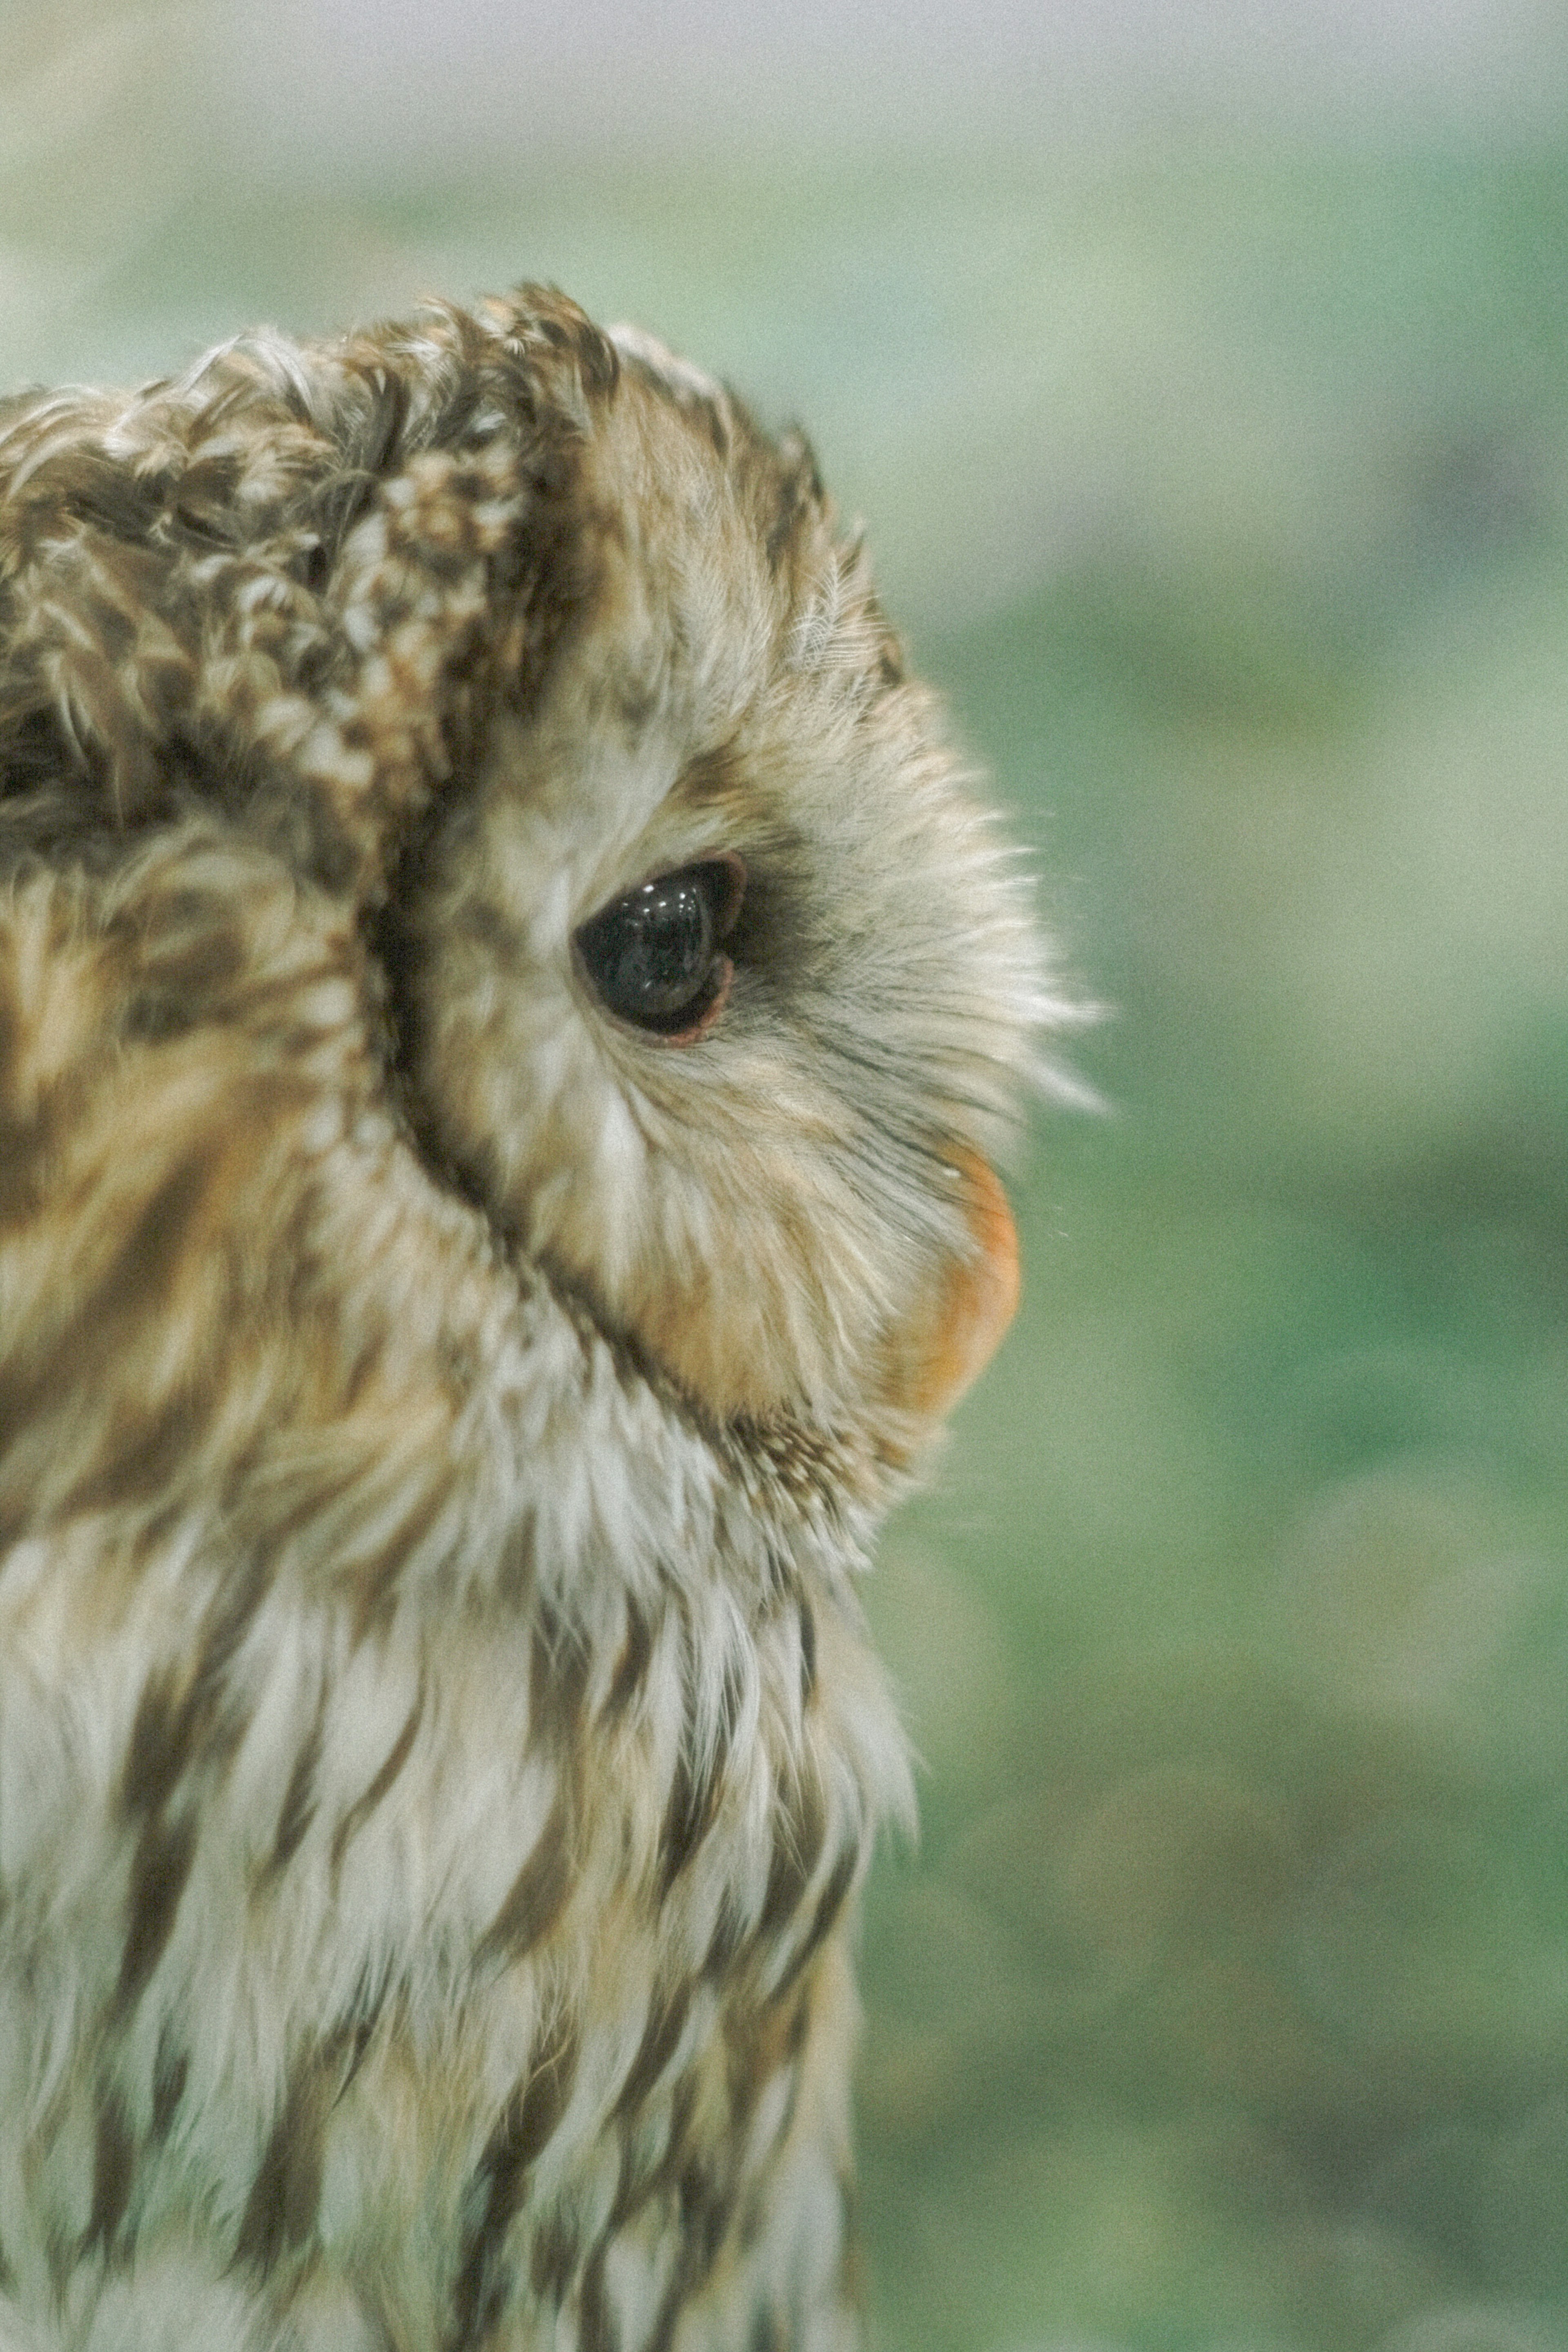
(379, 74)
(316, 87)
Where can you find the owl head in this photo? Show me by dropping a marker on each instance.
(694, 958)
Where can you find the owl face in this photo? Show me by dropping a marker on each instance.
(708, 981)
(715, 987)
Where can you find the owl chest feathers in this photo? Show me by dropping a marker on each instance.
(432, 1765)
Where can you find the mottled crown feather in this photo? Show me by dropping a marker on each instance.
(294, 575)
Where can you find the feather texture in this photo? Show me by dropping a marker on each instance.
(441, 1423)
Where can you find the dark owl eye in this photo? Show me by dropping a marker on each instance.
(655, 955)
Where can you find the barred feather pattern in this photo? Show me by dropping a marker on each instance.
(439, 1746)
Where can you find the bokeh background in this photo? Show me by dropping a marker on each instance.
(1202, 373)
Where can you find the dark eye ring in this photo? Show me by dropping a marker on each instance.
(655, 958)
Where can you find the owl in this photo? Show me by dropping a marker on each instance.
(508, 1009)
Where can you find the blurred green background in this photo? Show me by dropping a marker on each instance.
(1200, 375)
